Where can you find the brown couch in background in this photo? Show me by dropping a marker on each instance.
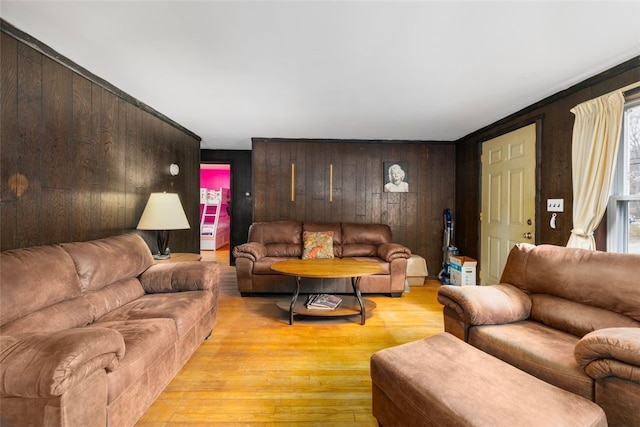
(92, 332)
(274, 241)
(570, 317)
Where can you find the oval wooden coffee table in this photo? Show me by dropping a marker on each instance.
(328, 269)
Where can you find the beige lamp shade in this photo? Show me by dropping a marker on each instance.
(163, 212)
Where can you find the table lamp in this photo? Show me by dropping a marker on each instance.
(163, 213)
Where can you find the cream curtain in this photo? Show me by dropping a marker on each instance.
(596, 135)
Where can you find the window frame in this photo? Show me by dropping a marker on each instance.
(618, 205)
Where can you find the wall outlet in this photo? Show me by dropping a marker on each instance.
(555, 205)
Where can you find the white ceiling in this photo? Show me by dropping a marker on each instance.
(408, 70)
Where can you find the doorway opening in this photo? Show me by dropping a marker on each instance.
(215, 206)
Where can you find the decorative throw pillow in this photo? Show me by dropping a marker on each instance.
(317, 244)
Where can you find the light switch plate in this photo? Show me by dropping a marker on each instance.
(555, 205)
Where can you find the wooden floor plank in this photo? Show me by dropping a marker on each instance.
(257, 370)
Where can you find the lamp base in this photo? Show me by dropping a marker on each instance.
(163, 245)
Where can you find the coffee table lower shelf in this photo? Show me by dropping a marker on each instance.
(348, 307)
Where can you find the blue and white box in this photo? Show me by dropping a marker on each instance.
(463, 270)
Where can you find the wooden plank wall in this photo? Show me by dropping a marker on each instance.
(78, 161)
(554, 159)
(415, 218)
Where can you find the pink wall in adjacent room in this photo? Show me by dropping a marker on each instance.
(215, 178)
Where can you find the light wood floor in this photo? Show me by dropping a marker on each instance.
(257, 370)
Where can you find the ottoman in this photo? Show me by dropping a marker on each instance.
(442, 381)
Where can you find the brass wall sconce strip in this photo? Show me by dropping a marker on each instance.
(293, 181)
(331, 183)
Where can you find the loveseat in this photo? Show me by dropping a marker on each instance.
(570, 317)
(274, 241)
(92, 332)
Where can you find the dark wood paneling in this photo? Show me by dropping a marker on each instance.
(415, 218)
(79, 158)
(554, 171)
(28, 156)
(10, 183)
(82, 156)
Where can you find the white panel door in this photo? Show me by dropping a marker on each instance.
(508, 198)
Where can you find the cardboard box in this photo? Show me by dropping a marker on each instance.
(462, 270)
(416, 270)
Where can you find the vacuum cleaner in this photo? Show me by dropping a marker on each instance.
(448, 248)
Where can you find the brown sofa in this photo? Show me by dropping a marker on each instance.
(570, 317)
(270, 242)
(92, 332)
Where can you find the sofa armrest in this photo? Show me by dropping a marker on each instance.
(180, 276)
(610, 352)
(391, 251)
(252, 250)
(43, 365)
(486, 305)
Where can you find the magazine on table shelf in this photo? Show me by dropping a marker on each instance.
(323, 302)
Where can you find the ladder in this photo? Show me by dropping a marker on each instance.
(212, 201)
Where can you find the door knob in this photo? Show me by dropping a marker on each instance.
(527, 235)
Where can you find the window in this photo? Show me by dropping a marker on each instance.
(623, 211)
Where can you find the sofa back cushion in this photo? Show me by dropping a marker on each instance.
(104, 261)
(575, 318)
(281, 238)
(334, 227)
(363, 239)
(79, 311)
(113, 296)
(35, 278)
(593, 278)
(72, 313)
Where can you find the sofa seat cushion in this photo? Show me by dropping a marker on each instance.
(145, 341)
(541, 351)
(184, 308)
